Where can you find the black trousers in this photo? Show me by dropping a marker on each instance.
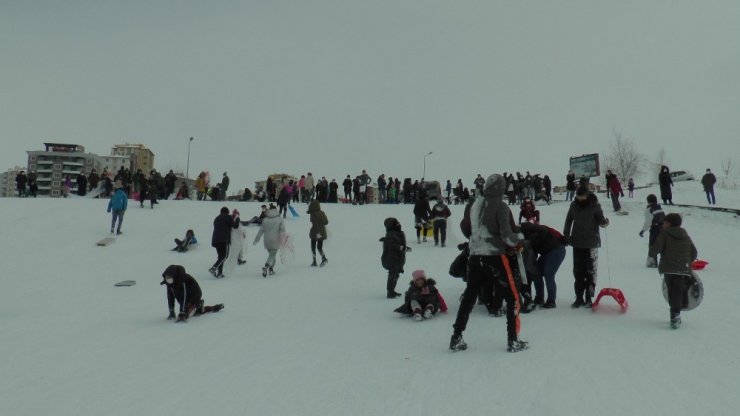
(393, 275)
(481, 270)
(678, 286)
(222, 249)
(585, 265)
(317, 244)
(440, 230)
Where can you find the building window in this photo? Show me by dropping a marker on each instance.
(56, 175)
(31, 167)
(32, 158)
(55, 184)
(57, 166)
(54, 193)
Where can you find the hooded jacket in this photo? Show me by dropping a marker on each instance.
(222, 226)
(184, 288)
(583, 221)
(491, 232)
(676, 250)
(318, 221)
(394, 246)
(272, 227)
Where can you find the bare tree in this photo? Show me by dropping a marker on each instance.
(623, 158)
(727, 167)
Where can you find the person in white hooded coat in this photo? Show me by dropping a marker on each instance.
(271, 230)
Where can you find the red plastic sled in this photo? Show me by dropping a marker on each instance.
(699, 264)
(614, 293)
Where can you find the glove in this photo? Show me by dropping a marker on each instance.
(566, 240)
(182, 317)
(171, 315)
(318, 236)
(642, 234)
(407, 249)
(605, 223)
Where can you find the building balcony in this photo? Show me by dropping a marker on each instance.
(45, 162)
(71, 163)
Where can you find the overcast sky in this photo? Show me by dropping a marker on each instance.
(334, 87)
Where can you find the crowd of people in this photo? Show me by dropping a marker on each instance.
(510, 266)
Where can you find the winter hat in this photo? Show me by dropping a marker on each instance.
(390, 223)
(582, 192)
(495, 185)
(224, 210)
(652, 199)
(224, 173)
(418, 274)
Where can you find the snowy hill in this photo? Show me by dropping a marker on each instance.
(324, 341)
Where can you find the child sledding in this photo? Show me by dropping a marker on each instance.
(423, 300)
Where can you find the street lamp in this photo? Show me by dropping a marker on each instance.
(187, 171)
(424, 174)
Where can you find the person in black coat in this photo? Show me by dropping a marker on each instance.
(666, 183)
(184, 289)
(394, 254)
(347, 184)
(221, 239)
(81, 184)
(422, 213)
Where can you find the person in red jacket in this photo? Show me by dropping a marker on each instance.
(615, 190)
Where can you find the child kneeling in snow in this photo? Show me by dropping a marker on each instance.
(423, 300)
(184, 289)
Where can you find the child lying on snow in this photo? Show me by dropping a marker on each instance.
(182, 245)
(423, 300)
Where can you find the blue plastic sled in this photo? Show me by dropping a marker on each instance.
(293, 212)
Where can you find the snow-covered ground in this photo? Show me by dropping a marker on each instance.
(325, 341)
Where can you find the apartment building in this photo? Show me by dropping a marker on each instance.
(141, 157)
(58, 161)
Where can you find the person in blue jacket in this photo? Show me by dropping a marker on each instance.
(117, 207)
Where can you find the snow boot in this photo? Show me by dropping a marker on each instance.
(548, 305)
(264, 270)
(676, 321)
(240, 262)
(212, 270)
(323, 261)
(516, 345)
(313, 264)
(428, 312)
(417, 315)
(457, 343)
(393, 294)
(577, 304)
(270, 271)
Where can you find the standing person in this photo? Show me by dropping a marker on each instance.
(185, 289)
(364, 183)
(549, 245)
(479, 182)
(283, 200)
(448, 190)
(169, 184)
(81, 184)
(581, 231)
(491, 237)
(67, 186)
(221, 239)
(631, 187)
(200, 187)
(347, 184)
(421, 219)
(654, 217)
(93, 180)
(570, 185)
(224, 186)
(20, 182)
(32, 185)
(310, 185)
(317, 234)
(666, 183)
(439, 213)
(547, 184)
(615, 190)
(382, 189)
(272, 228)
(117, 207)
(143, 187)
(394, 254)
(708, 181)
(677, 252)
(153, 190)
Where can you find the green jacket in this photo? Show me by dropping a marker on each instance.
(676, 250)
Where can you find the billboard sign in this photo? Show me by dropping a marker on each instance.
(585, 165)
